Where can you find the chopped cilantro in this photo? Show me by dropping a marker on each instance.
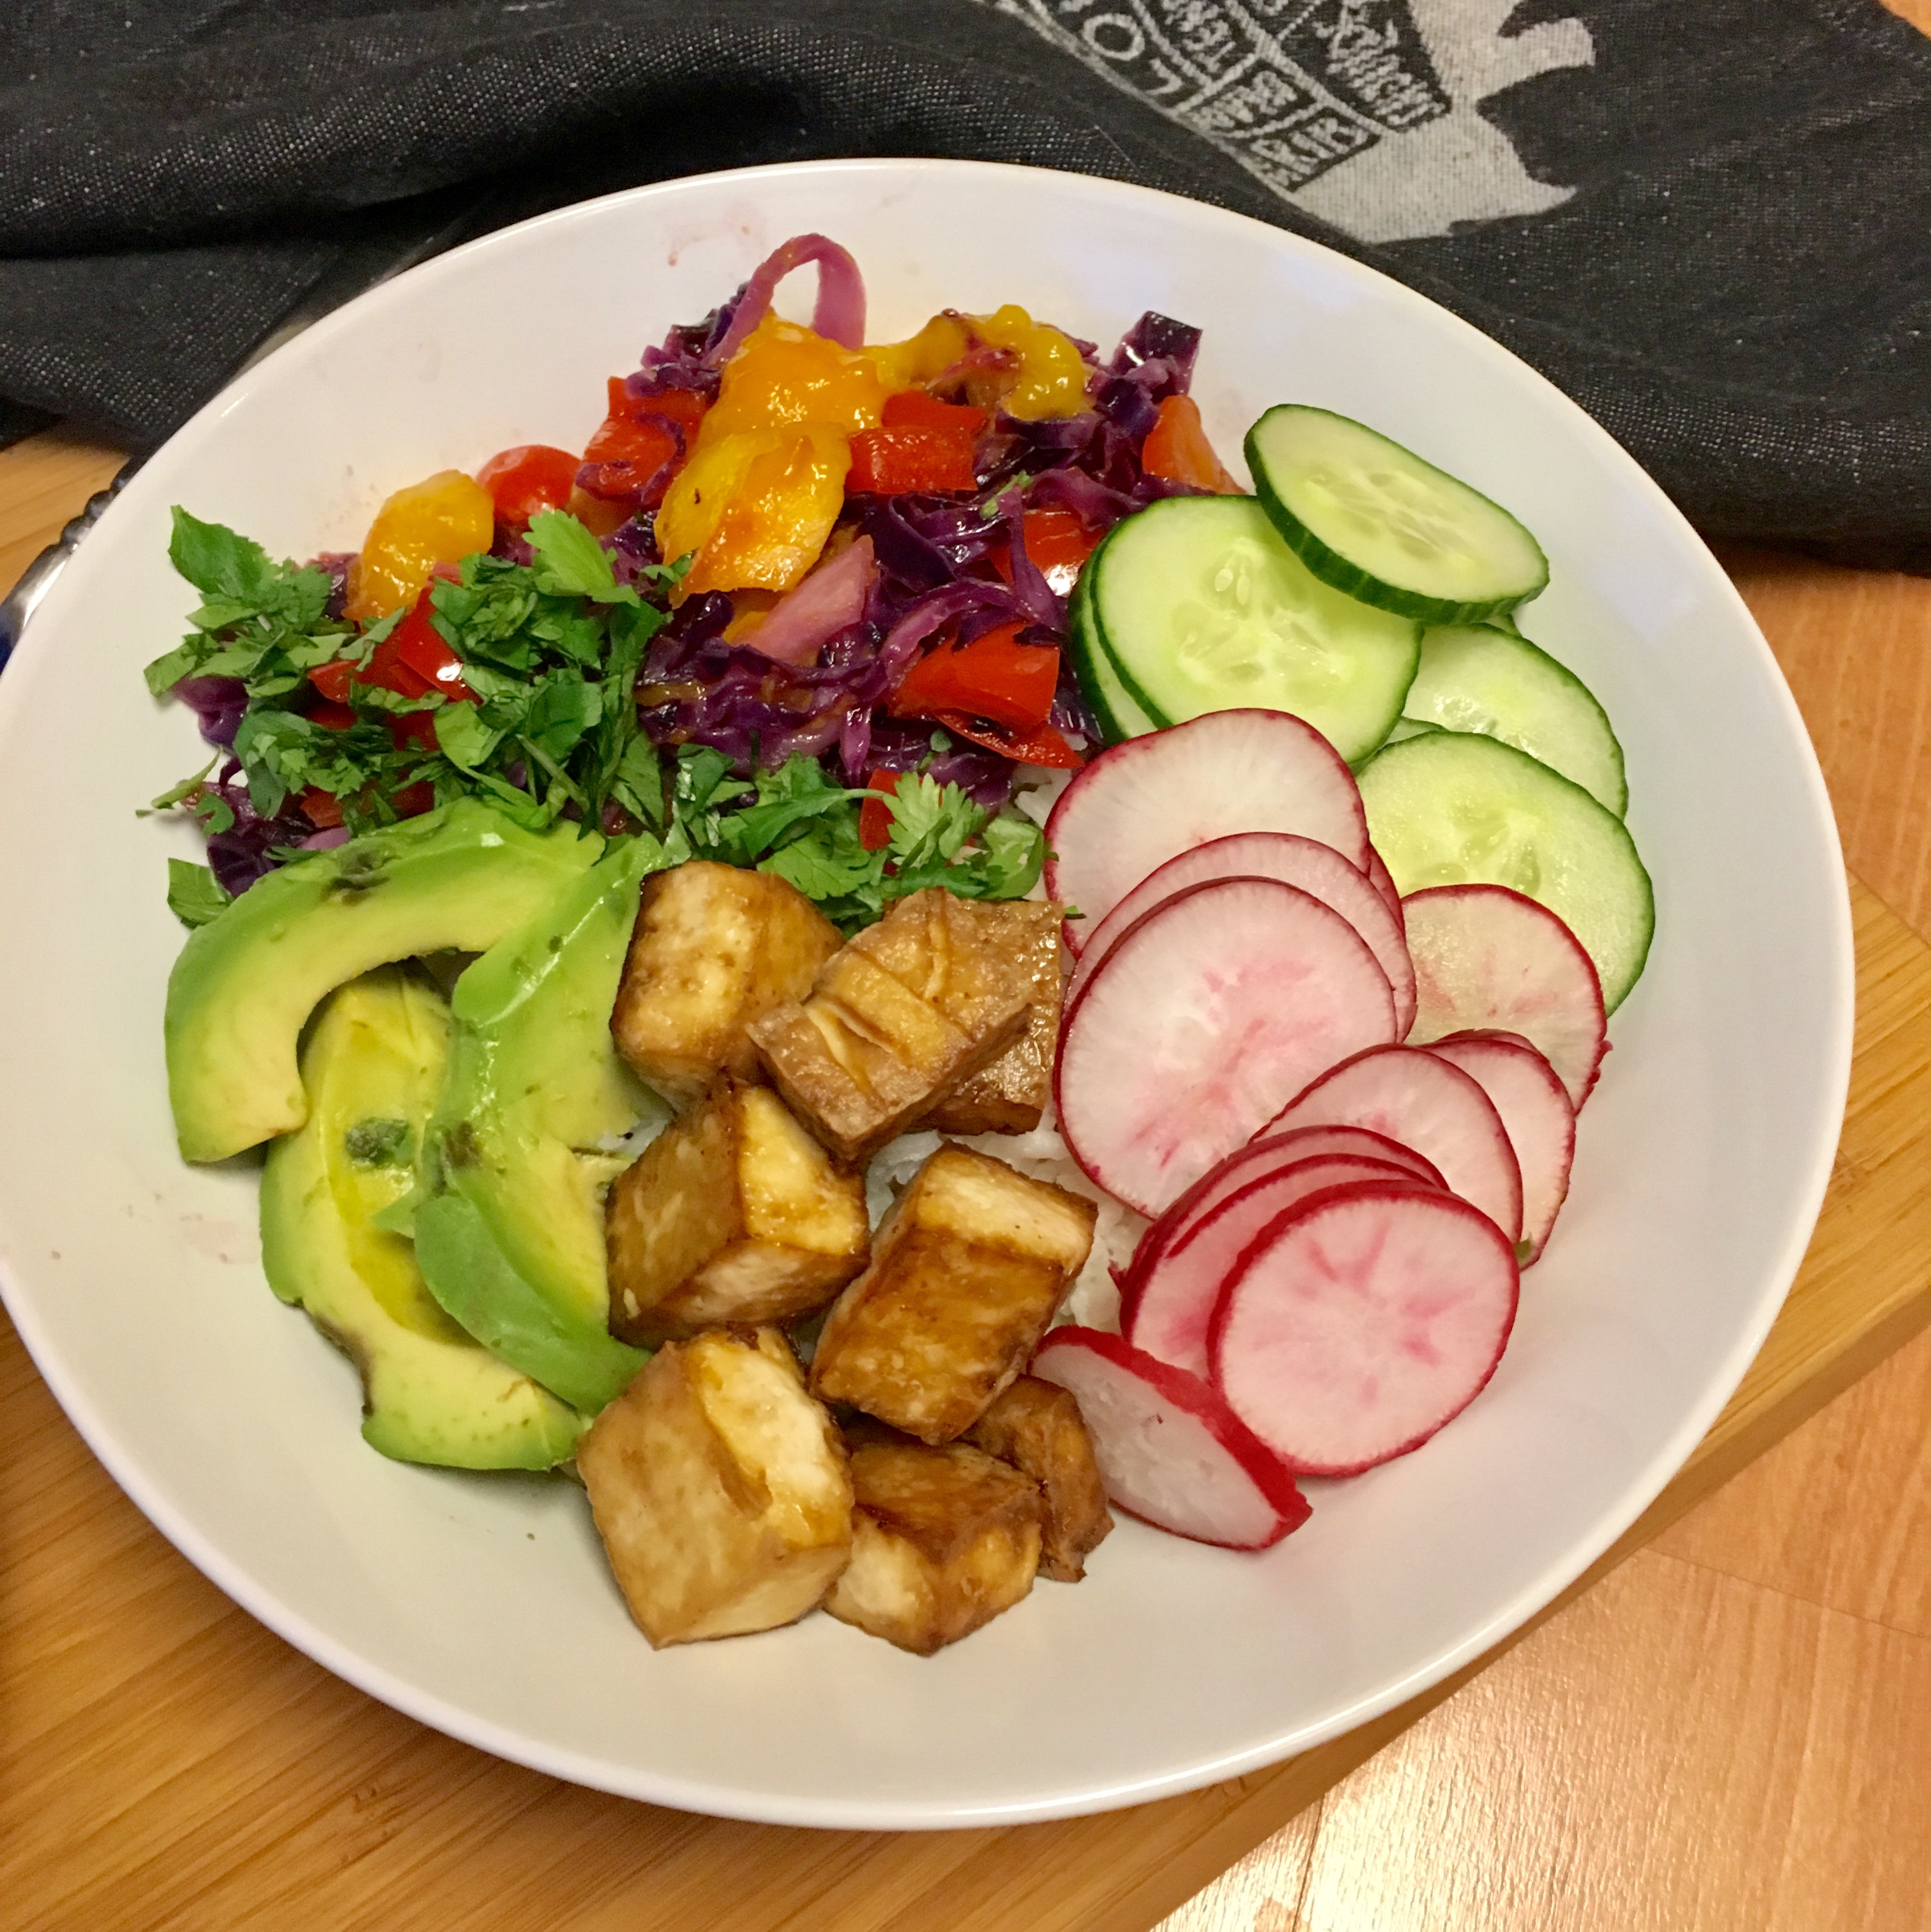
(195, 894)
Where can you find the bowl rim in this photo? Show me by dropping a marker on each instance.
(702, 1796)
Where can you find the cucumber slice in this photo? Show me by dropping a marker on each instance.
(1476, 678)
(1201, 607)
(1406, 728)
(1374, 521)
(1452, 807)
(1113, 710)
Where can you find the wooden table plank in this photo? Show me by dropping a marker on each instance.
(164, 1760)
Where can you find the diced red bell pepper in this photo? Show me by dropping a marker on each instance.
(1043, 746)
(918, 409)
(640, 445)
(891, 462)
(413, 727)
(1058, 543)
(412, 801)
(420, 651)
(994, 676)
(331, 680)
(330, 715)
(323, 809)
(1177, 448)
(533, 477)
(874, 816)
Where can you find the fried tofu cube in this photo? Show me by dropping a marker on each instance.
(1009, 1096)
(943, 1540)
(1036, 1427)
(967, 1270)
(733, 1213)
(868, 1053)
(721, 1490)
(715, 947)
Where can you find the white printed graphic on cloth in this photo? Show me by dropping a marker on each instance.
(1361, 112)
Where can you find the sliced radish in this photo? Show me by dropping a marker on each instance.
(1173, 1302)
(1382, 880)
(1169, 1449)
(1316, 869)
(1363, 1320)
(1138, 804)
(1210, 1012)
(1537, 1114)
(1487, 959)
(1421, 1101)
(1246, 1165)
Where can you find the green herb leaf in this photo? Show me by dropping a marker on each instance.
(195, 895)
(466, 742)
(571, 563)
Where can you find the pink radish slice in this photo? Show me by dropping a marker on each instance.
(1318, 869)
(1537, 1115)
(1421, 1101)
(1173, 1302)
(1140, 804)
(1380, 878)
(1361, 1321)
(1169, 1448)
(1210, 1012)
(1246, 1165)
(1487, 959)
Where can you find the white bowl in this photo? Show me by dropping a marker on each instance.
(481, 1605)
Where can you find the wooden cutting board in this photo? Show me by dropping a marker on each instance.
(164, 1761)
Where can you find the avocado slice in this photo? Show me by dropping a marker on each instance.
(509, 1227)
(458, 878)
(372, 1065)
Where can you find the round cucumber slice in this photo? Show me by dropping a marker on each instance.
(1377, 522)
(1453, 808)
(1201, 607)
(1475, 678)
(1113, 710)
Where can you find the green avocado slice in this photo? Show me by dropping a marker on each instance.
(372, 1065)
(509, 1230)
(456, 878)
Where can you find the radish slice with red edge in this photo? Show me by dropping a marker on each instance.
(1361, 1321)
(1210, 1012)
(1383, 881)
(1246, 1164)
(1486, 959)
(1315, 868)
(1169, 1449)
(1425, 1103)
(1144, 802)
(1537, 1116)
(1173, 1304)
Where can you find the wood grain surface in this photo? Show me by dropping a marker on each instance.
(1718, 1733)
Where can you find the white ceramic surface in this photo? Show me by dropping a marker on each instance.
(481, 1605)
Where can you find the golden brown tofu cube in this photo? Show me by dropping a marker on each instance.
(1036, 1426)
(733, 1213)
(943, 1540)
(721, 1491)
(940, 948)
(714, 946)
(967, 1270)
(866, 1054)
(1009, 1096)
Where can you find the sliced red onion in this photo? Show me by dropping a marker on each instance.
(840, 313)
(832, 597)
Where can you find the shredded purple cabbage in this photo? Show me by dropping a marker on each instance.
(335, 564)
(243, 853)
(217, 703)
(936, 577)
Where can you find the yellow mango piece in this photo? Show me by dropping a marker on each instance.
(756, 507)
(921, 357)
(443, 519)
(783, 375)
